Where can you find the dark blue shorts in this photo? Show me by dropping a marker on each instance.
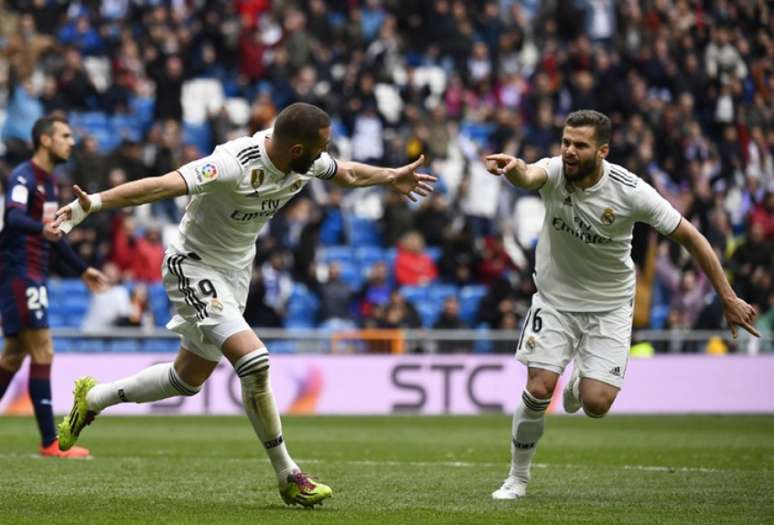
(23, 304)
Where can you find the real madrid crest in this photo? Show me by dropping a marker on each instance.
(608, 217)
(256, 178)
(216, 305)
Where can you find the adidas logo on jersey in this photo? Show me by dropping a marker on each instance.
(567, 201)
(616, 371)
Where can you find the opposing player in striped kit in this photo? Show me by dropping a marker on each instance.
(26, 241)
(207, 269)
(585, 279)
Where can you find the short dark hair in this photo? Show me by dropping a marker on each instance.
(300, 122)
(603, 129)
(44, 126)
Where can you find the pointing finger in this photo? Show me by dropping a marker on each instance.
(751, 329)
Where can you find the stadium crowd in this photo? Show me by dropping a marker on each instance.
(150, 85)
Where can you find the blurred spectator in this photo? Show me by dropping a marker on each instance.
(376, 291)
(752, 256)
(75, 84)
(140, 314)
(148, 256)
(398, 219)
(277, 284)
(689, 291)
(399, 313)
(450, 320)
(108, 309)
(335, 297)
(412, 265)
(450, 315)
(433, 219)
(763, 216)
(22, 112)
(494, 262)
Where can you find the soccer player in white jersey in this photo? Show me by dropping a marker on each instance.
(585, 279)
(207, 269)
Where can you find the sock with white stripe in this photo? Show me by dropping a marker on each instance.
(151, 384)
(528, 421)
(261, 409)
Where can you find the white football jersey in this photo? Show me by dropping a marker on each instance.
(583, 260)
(235, 191)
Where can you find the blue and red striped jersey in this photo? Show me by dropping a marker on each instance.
(31, 190)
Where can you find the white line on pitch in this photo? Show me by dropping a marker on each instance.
(452, 464)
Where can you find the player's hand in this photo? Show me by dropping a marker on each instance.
(95, 280)
(739, 313)
(51, 231)
(502, 164)
(408, 182)
(67, 217)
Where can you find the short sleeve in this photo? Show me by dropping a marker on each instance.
(18, 193)
(325, 167)
(213, 172)
(653, 209)
(553, 167)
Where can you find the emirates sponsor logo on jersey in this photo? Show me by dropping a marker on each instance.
(608, 217)
(587, 237)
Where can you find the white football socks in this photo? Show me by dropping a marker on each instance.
(261, 409)
(151, 384)
(526, 430)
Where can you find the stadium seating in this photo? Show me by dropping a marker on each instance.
(428, 312)
(363, 232)
(415, 294)
(199, 135)
(302, 308)
(331, 254)
(470, 296)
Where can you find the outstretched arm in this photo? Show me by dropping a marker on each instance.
(150, 189)
(518, 172)
(405, 180)
(738, 312)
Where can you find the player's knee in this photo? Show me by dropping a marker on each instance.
(253, 369)
(539, 388)
(597, 406)
(11, 362)
(43, 354)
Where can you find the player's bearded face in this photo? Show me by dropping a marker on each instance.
(580, 168)
(580, 153)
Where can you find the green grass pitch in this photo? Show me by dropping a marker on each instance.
(388, 470)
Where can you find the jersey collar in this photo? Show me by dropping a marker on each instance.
(264, 155)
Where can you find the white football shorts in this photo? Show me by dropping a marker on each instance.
(599, 341)
(209, 302)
